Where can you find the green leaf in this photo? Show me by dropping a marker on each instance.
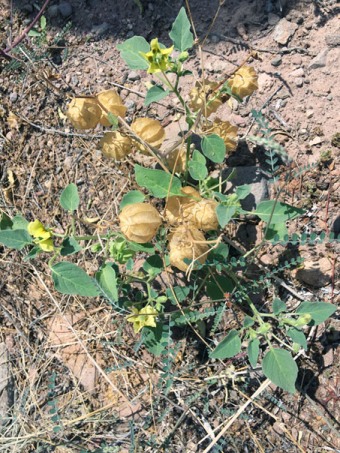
(243, 191)
(278, 306)
(154, 94)
(69, 198)
(147, 247)
(159, 183)
(279, 366)
(225, 213)
(219, 253)
(5, 222)
(297, 336)
(180, 32)
(113, 120)
(107, 281)
(319, 311)
(15, 239)
(33, 253)
(248, 322)
(71, 279)
(253, 351)
(153, 265)
(156, 339)
(213, 148)
(276, 230)
(197, 166)
(69, 246)
(229, 346)
(130, 52)
(43, 22)
(217, 286)
(34, 33)
(181, 293)
(276, 212)
(19, 223)
(132, 197)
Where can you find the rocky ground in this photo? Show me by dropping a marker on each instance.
(298, 61)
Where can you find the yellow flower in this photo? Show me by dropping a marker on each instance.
(157, 58)
(42, 236)
(141, 318)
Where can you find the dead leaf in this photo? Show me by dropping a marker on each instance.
(12, 121)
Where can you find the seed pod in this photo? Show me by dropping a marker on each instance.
(115, 146)
(226, 131)
(113, 103)
(244, 82)
(203, 215)
(176, 160)
(84, 113)
(139, 222)
(198, 97)
(187, 243)
(178, 208)
(150, 131)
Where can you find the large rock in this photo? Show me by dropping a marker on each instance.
(316, 274)
(283, 31)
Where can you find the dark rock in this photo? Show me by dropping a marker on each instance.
(276, 61)
(101, 29)
(53, 11)
(65, 9)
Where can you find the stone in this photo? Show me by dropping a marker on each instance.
(265, 82)
(13, 97)
(276, 61)
(299, 82)
(131, 105)
(65, 9)
(316, 141)
(101, 29)
(333, 40)
(320, 60)
(309, 113)
(315, 273)
(133, 76)
(248, 175)
(214, 39)
(273, 19)
(283, 31)
(53, 11)
(299, 72)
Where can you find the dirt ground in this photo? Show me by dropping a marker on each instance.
(107, 393)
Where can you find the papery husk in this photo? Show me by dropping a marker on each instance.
(176, 159)
(203, 215)
(187, 242)
(226, 131)
(150, 131)
(84, 113)
(115, 146)
(244, 82)
(200, 96)
(139, 222)
(178, 209)
(111, 100)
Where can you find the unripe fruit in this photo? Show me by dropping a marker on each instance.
(139, 222)
(84, 113)
(150, 131)
(115, 146)
(113, 103)
(178, 208)
(199, 99)
(187, 242)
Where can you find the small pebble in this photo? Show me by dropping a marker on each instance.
(299, 82)
(65, 9)
(133, 76)
(309, 113)
(214, 39)
(131, 105)
(276, 61)
(329, 97)
(13, 96)
(53, 11)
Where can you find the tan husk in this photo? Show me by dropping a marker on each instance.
(111, 100)
(150, 131)
(139, 222)
(115, 146)
(187, 242)
(178, 208)
(176, 159)
(203, 215)
(244, 82)
(226, 131)
(198, 97)
(84, 113)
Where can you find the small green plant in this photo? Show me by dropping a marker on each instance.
(39, 32)
(175, 220)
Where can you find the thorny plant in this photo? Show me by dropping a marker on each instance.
(178, 222)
